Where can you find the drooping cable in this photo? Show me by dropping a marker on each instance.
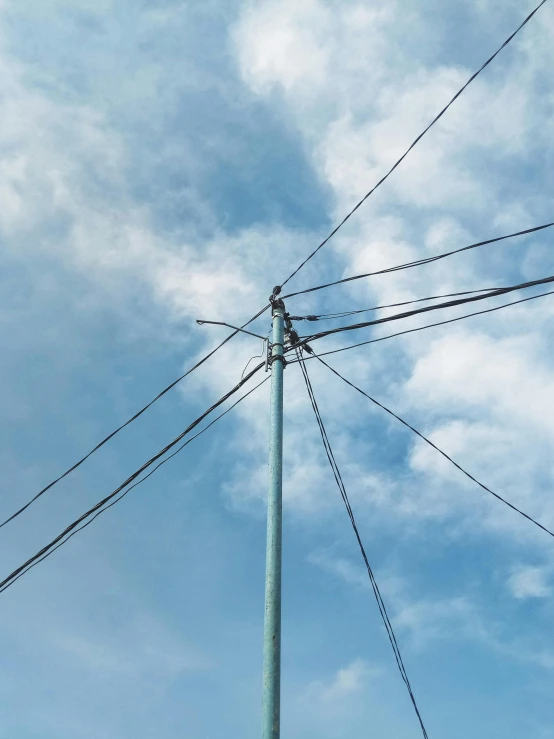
(128, 490)
(423, 328)
(440, 451)
(427, 308)
(346, 314)
(342, 488)
(13, 575)
(415, 142)
(420, 262)
(256, 356)
(129, 421)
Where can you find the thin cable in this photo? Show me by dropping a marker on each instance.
(256, 356)
(428, 441)
(342, 489)
(422, 328)
(420, 262)
(346, 314)
(103, 510)
(11, 577)
(426, 309)
(133, 418)
(416, 141)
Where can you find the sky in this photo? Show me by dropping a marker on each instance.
(163, 162)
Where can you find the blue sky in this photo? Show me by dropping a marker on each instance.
(165, 162)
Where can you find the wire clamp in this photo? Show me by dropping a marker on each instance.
(272, 357)
(274, 300)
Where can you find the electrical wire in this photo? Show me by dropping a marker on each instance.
(103, 510)
(342, 488)
(423, 328)
(420, 262)
(346, 314)
(426, 309)
(129, 421)
(13, 575)
(256, 356)
(415, 142)
(428, 441)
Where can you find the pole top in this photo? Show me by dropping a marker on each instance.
(277, 305)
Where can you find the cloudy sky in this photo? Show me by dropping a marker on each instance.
(166, 161)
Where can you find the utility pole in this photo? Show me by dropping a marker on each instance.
(271, 700)
(271, 696)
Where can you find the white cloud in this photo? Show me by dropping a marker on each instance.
(507, 377)
(347, 682)
(345, 77)
(354, 122)
(357, 98)
(431, 620)
(460, 619)
(344, 569)
(478, 392)
(529, 582)
(67, 193)
(290, 54)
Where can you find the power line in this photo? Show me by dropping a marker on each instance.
(13, 575)
(423, 328)
(133, 418)
(428, 441)
(413, 144)
(346, 314)
(256, 356)
(342, 488)
(143, 479)
(420, 262)
(426, 309)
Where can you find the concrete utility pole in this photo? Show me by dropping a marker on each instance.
(271, 703)
(271, 700)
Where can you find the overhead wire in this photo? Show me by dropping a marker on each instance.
(129, 421)
(128, 490)
(423, 328)
(377, 593)
(440, 451)
(449, 304)
(13, 575)
(265, 345)
(420, 262)
(414, 143)
(346, 314)
(169, 387)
